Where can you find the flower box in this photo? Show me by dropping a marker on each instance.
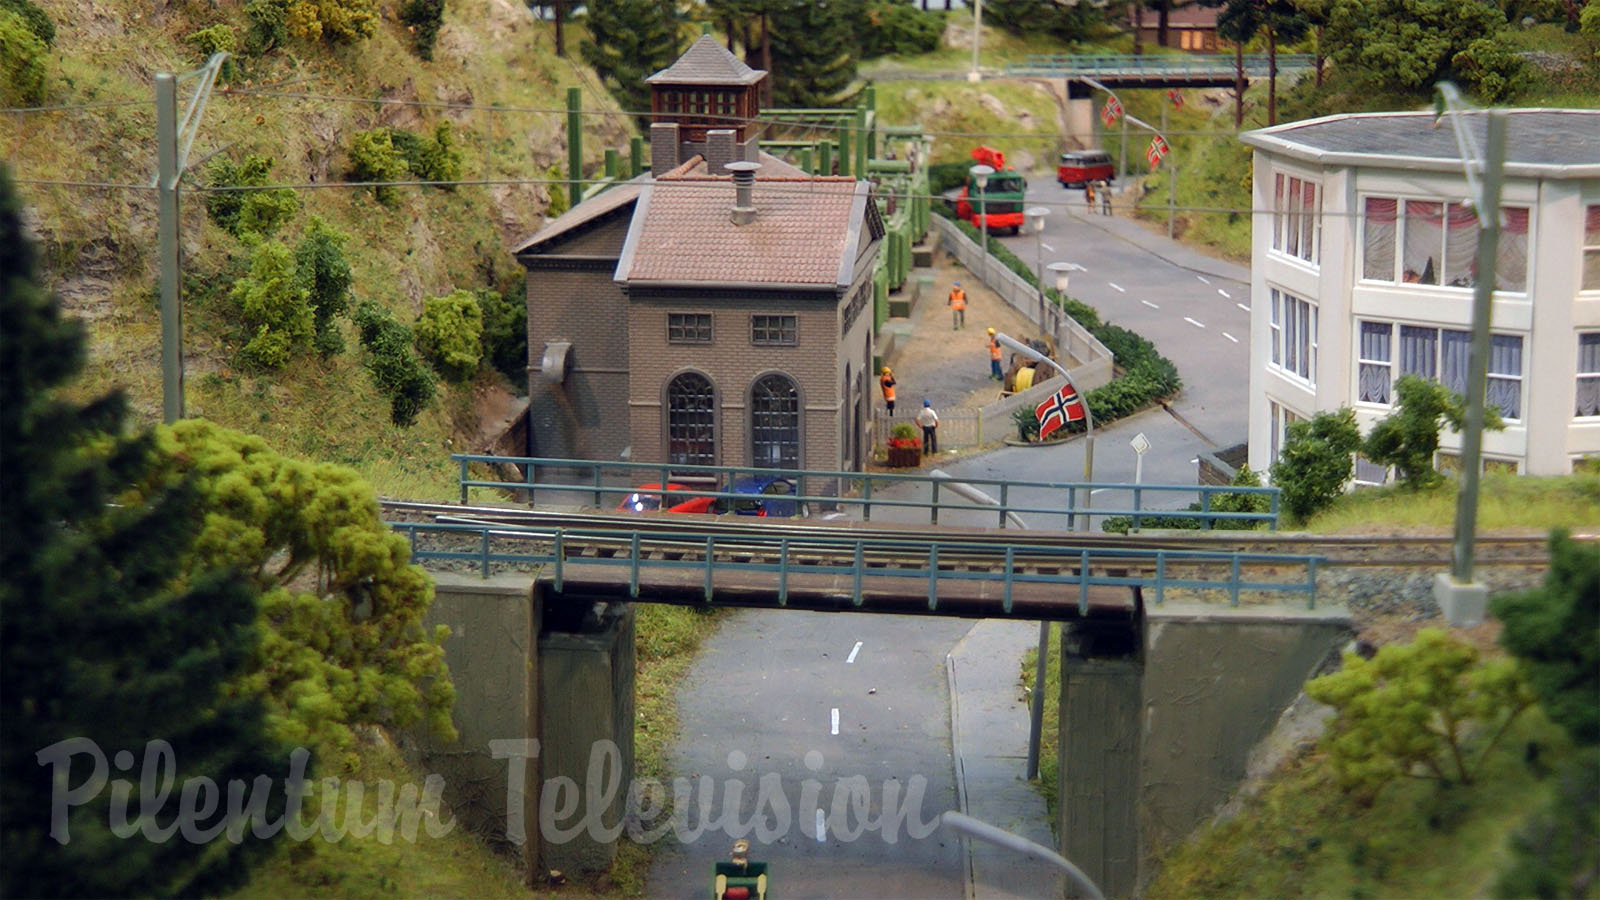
(905, 452)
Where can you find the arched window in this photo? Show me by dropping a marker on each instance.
(691, 421)
(775, 423)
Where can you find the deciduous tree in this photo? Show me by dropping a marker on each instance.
(1409, 437)
(1315, 461)
(1406, 46)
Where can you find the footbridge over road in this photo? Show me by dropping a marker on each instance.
(1161, 701)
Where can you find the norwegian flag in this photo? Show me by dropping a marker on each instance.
(1062, 407)
(1158, 148)
(1110, 111)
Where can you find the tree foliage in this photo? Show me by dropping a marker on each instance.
(1409, 437)
(438, 159)
(274, 305)
(1061, 21)
(450, 334)
(424, 18)
(329, 21)
(321, 268)
(629, 40)
(37, 20)
(813, 53)
(1407, 46)
(396, 369)
(1431, 708)
(897, 28)
(373, 158)
(23, 61)
(1315, 461)
(505, 332)
(248, 214)
(98, 638)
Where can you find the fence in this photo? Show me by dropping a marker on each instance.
(1256, 65)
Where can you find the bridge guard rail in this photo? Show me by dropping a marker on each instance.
(600, 484)
(812, 572)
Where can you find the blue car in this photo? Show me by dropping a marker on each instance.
(768, 495)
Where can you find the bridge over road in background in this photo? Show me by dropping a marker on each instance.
(1189, 71)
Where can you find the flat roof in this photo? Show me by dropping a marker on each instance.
(1548, 143)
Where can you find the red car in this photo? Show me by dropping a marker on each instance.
(647, 498)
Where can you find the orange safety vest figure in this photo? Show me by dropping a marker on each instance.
(886, 382)
(994, 356)
(958, 307)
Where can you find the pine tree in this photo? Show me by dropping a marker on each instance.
(813, 52)
(630, 40)
(98, 639)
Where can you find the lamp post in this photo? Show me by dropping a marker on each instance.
(1082, 884)
(977, 30)
(1062, 272)
(980, 173)
(1088, 414)
(1036, 215)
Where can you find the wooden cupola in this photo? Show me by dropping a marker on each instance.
(707, 88)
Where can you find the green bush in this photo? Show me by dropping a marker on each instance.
(273, 306)
(332, 21)
(269, 25)
(505, 332)
(322, 269)
(396, 369)
(438, 159)
(247, 214)
(890, 28)
(23, 58)
(37, 20)
(423, 17)
(1408, 438)
(1315, 461)
(555, 181)
(450, 334)
(1491, 65)
(373, 158)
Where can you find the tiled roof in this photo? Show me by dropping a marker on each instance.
(593, 208)
(806, 232)
(707, 62)
(1550, 142)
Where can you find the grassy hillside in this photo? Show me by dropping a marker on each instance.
(299, 104)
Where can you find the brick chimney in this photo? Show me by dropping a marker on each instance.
(663, 148)
(721, 148)
(744, 182)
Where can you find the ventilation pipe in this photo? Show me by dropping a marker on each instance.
(744, 182)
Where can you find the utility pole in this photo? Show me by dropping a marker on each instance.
(167, 204)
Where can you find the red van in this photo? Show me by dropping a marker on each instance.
(1079, 167)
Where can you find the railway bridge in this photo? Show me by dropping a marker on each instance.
(1178, 659)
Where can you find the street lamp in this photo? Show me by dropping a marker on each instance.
(1088, 414)
(1062, 272)
(977, 29)
(1082, 884)
(980, 173)
(1036, 215)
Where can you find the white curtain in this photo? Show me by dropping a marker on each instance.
(1378, 241)
(1591, 256)
(1454, 350)
(1374, 377)
(1505, 358)
(1419, 351)
(1460, 246)
(1588, 373)
(1424, 239)
(1511, 263)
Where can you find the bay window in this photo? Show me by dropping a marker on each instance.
(1591, 248)
(1434, 242)
(1439, 354)
(1293, 328)
(1296, 217)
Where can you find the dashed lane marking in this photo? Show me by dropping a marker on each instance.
(1242, 306)
(1149, 304)
(853, 651)
(1230, 337)
(1203, 278)
(1224, 293)
(822, 828)
(1194, 323)
(1047, 246)
(1117, 287)
(835, 720)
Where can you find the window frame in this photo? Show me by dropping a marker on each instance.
(1438, 337)
(1296, 224)
(1591, 247)
(693, 426)
(1582, 375)
(1297, 332)
(785, 333)
(1446, 209)
(704, 328)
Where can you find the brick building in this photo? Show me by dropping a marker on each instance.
(706, 313)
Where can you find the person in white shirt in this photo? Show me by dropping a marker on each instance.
(929, 420)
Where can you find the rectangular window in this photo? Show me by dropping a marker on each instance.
(1294, 335)
(1296, 217)
(688, 328)
(1505, 375)
(773, 331)
(1369, 472)
(1591, 248)
(1588, 374)
(1281, 419)
(1433, 242)
(1374, 362)
(1419, 351)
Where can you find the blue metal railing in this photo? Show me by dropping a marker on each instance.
(856, 489)
(1152, 67)
(902, 558)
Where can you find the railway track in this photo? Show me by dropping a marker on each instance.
(1373, 551)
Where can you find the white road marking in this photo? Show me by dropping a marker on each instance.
(1194, 323)
(822, 827)
(836, 720)
(1203, 278)
(1230, 337)
(1047, 246)
(1224, 293)
(853, 651)
(1098, 490)
(1149, 304)
(1117, 286)
(1242, 306)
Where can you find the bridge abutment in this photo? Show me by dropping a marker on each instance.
(1153, 742)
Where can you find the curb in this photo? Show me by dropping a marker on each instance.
(957, 761)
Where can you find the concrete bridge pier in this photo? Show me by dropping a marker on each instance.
(1080, 115)
(1157, 726)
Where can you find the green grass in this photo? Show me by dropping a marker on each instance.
(1505, 503)
(1303, 836)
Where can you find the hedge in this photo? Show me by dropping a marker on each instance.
(1146, 376)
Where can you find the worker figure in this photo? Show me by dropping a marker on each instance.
(958, 306)
(994, 356)
(929, 420)
(886, 383)
(1088, 196)
(1105, 198)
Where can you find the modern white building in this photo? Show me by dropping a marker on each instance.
(1363, 266)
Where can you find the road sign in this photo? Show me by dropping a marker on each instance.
(1140, 443)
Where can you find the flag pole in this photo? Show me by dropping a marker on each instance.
(1088, 420)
